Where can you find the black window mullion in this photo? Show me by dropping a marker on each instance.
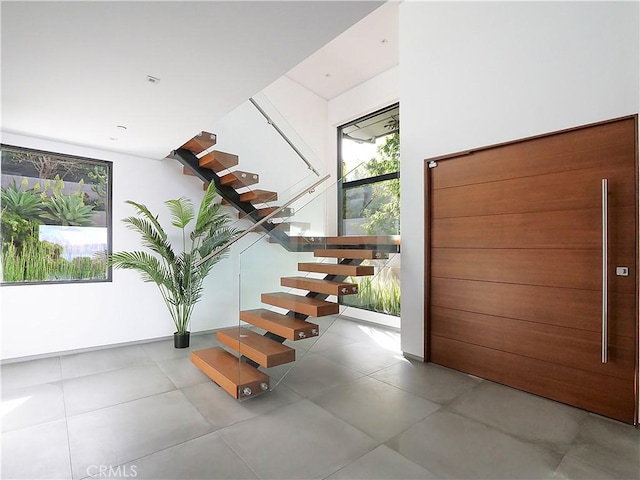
(365, 181)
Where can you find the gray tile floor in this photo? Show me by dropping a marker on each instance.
(354, 407)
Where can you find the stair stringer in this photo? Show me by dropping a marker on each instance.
(189, 160)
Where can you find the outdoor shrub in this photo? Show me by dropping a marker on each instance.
(68, 210)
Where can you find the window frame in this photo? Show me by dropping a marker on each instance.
(108, 209)
(342, 186)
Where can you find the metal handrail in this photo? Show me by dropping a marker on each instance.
(265, 219)
(282, 134)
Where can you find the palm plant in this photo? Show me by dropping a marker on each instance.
(177, 274)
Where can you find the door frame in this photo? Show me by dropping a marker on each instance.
(427, 238)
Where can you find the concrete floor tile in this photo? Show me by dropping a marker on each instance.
(433, 382)
(91, 392)
(182, 372)
(362, 357)
(206, 457)
(330, 340)
(300, 440)
(38, 452)
(103, 360)
(119, 434)
(314, 374)
(27, 374)
(532, 418)
(572, 469)
(608, 445)
(222, 410)
(382, 464)
(452, 446)
(32, 405)
(378, 409)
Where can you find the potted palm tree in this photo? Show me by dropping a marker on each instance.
(177, 274)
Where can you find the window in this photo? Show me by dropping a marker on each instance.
(369, 162)
(369, 200)
(55, 217)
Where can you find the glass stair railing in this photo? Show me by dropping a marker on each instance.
(289, 281)
(256, 159)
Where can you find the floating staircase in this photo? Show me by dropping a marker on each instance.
(268, 350)
(240, 375)
(198, 159)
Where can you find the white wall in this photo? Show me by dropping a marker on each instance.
(305, 112)
(374, 94)
(43, 319)
(475, 74)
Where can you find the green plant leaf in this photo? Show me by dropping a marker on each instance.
(151, 237)
(181, 211)
(144, 212)
(207, 209)
(149, 267)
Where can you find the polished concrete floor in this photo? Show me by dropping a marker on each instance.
(353, 408)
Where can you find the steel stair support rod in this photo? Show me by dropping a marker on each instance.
(264, 220)
(282, 134)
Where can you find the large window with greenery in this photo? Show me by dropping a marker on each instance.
(369, 199)
(55, 214)
(369, 159)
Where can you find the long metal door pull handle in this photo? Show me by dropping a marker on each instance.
(605, 261)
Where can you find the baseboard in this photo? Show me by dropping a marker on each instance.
(8, 361)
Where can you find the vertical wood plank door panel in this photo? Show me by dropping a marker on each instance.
(514, 272)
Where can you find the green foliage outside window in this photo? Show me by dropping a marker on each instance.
(382, 214)
(372, 207)
(380, 294)
(30, 202)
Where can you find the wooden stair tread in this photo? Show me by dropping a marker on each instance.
(350, 253)
(364, 240)
(229, 372)
(288, 327)
(217, 161)
(329, 287)
(259, 196)
(258, 348)
(337, 269)
(307, 305)
(239, 179)
(200, 142)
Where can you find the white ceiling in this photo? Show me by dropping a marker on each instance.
(73, 71)
(367, 49)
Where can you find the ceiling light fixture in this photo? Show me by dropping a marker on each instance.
(118, 132)
(152, 79)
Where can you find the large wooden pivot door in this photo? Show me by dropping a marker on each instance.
(515, 265)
